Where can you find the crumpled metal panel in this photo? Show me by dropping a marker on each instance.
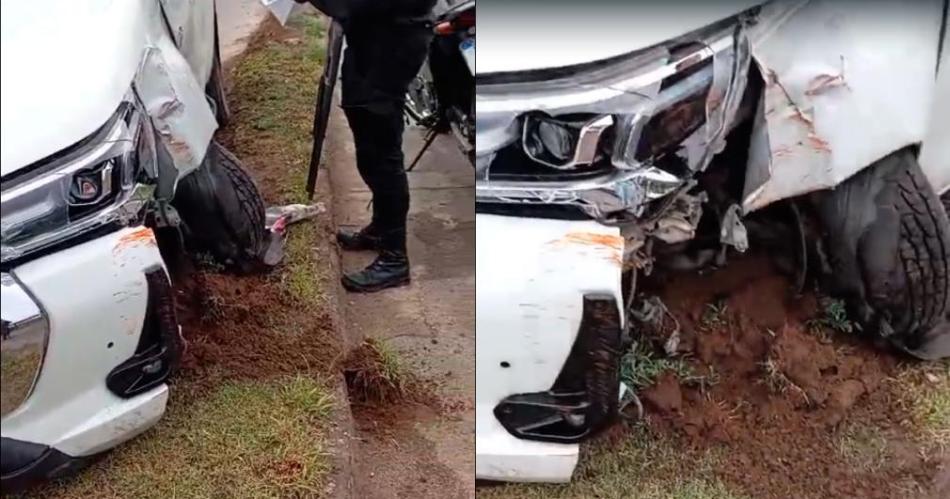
(174, 99)
(846, 83)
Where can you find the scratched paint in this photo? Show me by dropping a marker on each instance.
(839, 94)
(143, 236)
(608, 246)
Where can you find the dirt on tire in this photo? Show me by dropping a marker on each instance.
(889, 240)
(778, 395)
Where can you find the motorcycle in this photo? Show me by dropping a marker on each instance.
(441, 99)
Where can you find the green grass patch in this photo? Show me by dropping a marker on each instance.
(927, 392)
(864, 447)
(833, 317)
(245, 439)
(18, 370)
(375, 373)
(642, 465)
(274, 88)
(641, 367)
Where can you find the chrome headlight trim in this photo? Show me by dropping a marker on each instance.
(632, 91)
(35, 204)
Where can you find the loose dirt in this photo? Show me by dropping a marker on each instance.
(783, 401)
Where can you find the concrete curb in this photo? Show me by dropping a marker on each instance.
(342, 485)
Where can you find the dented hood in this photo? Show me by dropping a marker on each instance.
(65, 66)
(520, 36)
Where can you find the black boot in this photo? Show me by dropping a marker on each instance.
(364, 240)
(389, 270)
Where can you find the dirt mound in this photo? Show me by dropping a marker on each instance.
(373, 376)
(247, 327)
(778, 396)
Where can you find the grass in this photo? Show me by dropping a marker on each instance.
(18, 369)
(642, 465)
(245, 439)
(864, 447)
(927, 395)
(715, 315)
(376, 374)
(833, 317)
(273, 99)
(641, 367)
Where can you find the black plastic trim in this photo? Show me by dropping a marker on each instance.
(157, 354)
(25, 464)
(584, 398)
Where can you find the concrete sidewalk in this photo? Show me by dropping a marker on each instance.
(431, 323)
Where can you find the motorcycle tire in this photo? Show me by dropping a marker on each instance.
(889, 246)
(222, 211)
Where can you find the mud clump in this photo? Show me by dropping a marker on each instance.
(374, 376)
(775, 397)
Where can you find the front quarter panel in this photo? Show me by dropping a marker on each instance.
(846, 83)
(174, 96)
(95, 296)
(532, 276)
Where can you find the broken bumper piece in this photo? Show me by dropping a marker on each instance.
(547, 342)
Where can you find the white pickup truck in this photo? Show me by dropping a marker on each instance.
(108, 114)
(599, 128)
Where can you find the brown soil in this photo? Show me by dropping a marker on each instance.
(779, 394)
(246, 327)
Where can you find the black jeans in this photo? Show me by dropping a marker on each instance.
(379, 159)
(382, 57)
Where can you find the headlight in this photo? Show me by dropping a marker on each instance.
(81, 189)
(564, 143)
(610, 135)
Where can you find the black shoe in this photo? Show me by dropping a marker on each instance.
(364, 240)
(389, 270)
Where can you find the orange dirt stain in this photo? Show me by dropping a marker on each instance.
(143, 236)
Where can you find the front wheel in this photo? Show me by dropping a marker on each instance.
(889, 243)
(222, 211)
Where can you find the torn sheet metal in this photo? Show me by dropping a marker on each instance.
(846, 83)
(174, 99)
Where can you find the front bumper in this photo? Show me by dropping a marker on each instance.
(104, 311)
(534, 277)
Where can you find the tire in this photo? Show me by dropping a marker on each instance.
(214, 89)
(222, 211)
(889, 247)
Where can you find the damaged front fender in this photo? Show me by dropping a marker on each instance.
(174, 98)
(845, 84)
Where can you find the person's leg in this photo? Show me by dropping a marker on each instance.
(378, 131)
(367, 155)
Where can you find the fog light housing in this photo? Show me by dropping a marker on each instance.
(156, 356)
(584, 398)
